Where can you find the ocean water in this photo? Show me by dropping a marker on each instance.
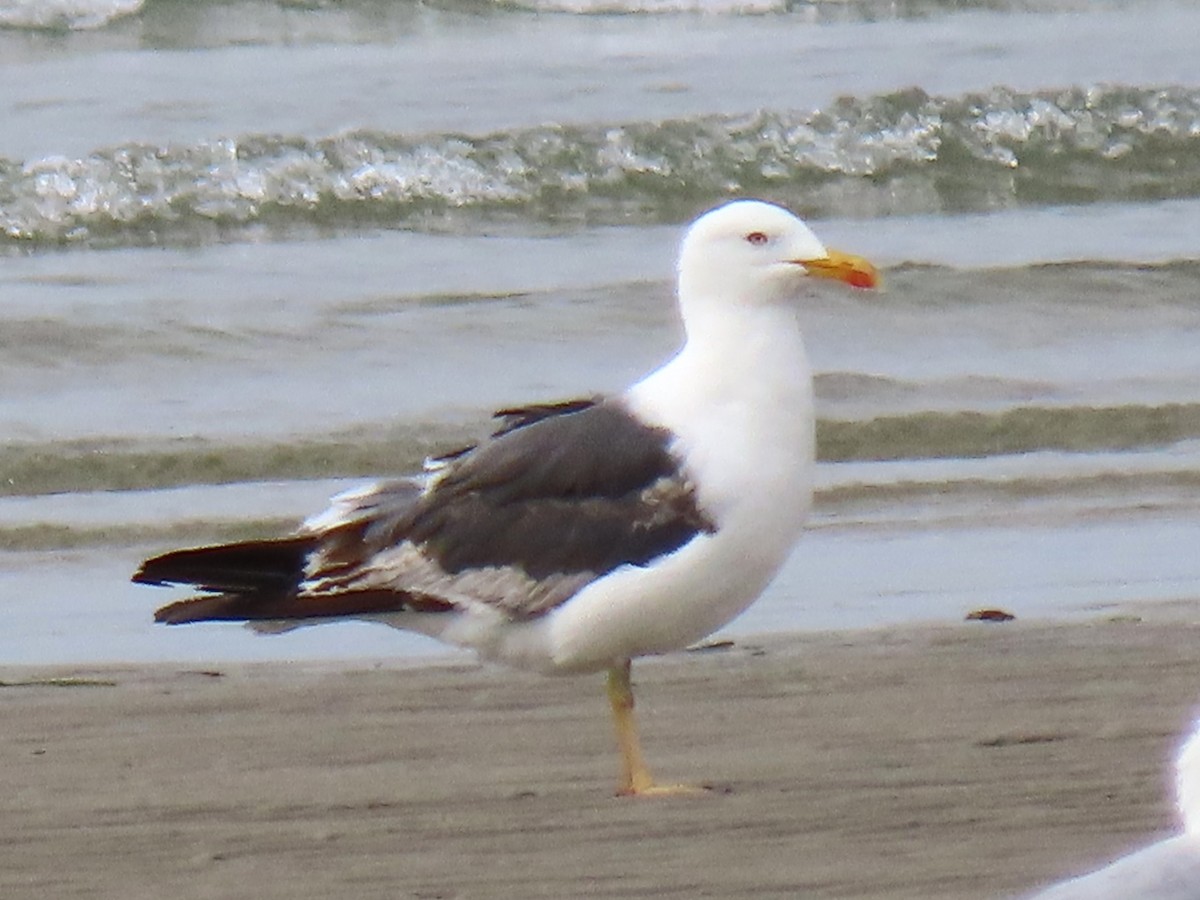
(254, 250)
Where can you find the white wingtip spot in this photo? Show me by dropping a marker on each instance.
(359, 504)
(342, 509)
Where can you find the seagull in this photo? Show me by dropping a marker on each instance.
(1168, 870)
(582, 534)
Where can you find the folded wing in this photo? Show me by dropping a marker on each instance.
(559, 496)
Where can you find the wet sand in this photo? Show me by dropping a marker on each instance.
(964, 761)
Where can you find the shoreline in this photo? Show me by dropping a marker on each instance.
(973, 760)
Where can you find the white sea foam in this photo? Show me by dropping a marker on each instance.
(75, 15)
(609, 7)
(880, 155)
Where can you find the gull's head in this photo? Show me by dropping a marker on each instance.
(1187, 783)
(754, 252)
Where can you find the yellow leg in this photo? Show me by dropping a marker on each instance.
(635, 777)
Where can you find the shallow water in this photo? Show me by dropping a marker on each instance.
(257, 243)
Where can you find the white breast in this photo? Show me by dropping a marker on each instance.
(742, 412)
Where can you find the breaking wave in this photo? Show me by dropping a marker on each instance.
(895, 154)
(65, 15)
(83, 15)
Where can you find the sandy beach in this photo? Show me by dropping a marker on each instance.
(965, 761)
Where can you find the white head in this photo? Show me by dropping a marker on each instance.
(1187, 783)
(754, 253)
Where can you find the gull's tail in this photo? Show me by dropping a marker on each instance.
(256, 581)
(248, 580)
(1187, 783)
(248, 566)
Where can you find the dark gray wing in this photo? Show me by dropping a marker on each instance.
(560, 495)
(544, 507)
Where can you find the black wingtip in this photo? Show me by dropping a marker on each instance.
(145, 574)
(248, 566)
(172, 613)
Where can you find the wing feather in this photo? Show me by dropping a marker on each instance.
(559, 496)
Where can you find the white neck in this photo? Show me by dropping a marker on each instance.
(739, 398)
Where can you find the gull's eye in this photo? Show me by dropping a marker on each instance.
(757, 238)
